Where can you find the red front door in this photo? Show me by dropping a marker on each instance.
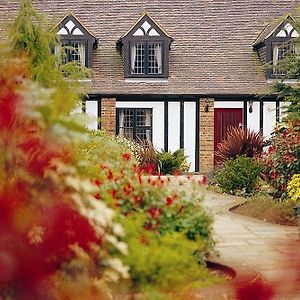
(224, 118)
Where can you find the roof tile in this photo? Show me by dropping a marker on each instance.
(212, 52)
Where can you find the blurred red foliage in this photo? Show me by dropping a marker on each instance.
(38, 220)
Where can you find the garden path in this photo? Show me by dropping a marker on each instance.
(253, 244)
(256, 250)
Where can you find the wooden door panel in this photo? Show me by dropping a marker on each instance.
(224, 118)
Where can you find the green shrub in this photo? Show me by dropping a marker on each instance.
(282, 159)
(173, 162)
(166, 263)
(122, 185)
(294, 188)
(239, 174)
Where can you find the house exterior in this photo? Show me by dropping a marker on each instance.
(177, 72)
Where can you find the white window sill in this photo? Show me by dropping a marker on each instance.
(84, 80)
(287, 81)
(146, 80)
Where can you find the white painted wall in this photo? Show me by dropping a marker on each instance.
(269, 118)
(229, 104)
(190, 132)
(253, 118)
(174, 126)
(157, 119)
(282, 110)
(91, 109)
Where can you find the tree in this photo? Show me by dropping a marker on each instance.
(30, 35)
(291, 93)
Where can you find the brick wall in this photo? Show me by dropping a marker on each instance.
(108, 115)
(206, 131)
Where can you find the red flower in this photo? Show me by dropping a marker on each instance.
(8, 114)
(169, 201)
(97, 196)
(114, 193)
(126, 156)
(136, 199)
(149, 226)
(176, 173)
(110, 175)
(274, 175)
(149, 169)
(98, 182)
(271, 149)
(154, 212)
(140, 178)
(128, 189)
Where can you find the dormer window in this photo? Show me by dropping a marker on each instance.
(77, 41)
(145, 49)
(274, 44)
(146, 58)
(280, 52)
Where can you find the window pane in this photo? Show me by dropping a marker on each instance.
(128, 118)
(128, 133)
(279, 53)
(143, 117)
(154, 58)
(77, 52)
(126, 122)
(143, 134)
(135, 123)
(138, 58)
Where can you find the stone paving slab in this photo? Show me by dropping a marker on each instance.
(258, 251)
(258, 246)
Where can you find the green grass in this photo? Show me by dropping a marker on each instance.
(267, 209)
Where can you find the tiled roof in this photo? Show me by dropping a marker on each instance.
(212, 52)
(270, 29)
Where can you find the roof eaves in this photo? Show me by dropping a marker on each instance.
(280, 21)
(259, 40)
(139, 19)
(71, 14)
(277, 23)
